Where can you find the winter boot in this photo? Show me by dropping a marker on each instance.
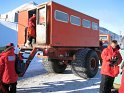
(33, 41)
(27, 43)
(114, 91)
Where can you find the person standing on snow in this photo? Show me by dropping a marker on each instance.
(121, 89)
(31, 31)
(111, 59)
(8, 76)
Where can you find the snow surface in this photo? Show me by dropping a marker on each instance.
(8, 33)
(43, 82)
(38, 80)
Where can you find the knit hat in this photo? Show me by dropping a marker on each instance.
(9, 46)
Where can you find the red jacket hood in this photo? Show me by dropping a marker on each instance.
(9, 52)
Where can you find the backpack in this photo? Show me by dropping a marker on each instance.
(19, 65)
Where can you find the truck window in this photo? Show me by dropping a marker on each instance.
(86, 23)
(42, 16)
(95, 26)
(75, 20)
(103, 38)
(61, 16)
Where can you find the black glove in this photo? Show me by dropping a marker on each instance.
(121, 73)
(113, 61)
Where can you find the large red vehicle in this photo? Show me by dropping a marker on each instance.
(65, 36)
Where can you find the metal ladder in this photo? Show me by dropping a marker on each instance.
(27, 60)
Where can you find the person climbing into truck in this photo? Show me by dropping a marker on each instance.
(8, 75)
(109, 71)
(31, 31)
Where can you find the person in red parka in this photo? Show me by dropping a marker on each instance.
(8, 74)
(31, 30)
(121, 89)
(111, 59)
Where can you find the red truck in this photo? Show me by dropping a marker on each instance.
(65, 36)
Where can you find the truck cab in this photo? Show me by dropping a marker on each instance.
(105, 38)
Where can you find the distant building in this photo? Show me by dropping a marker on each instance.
(12, 16)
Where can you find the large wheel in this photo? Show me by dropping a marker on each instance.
(85, 64)
(54, 66)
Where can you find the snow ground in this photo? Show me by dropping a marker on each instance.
(11, 25)
(37, 80)
(8, 33)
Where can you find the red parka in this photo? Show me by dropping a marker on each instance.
(121, 89)
(7, 67)
(106, 55)
(32, 26)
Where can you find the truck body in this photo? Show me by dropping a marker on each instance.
(62, 33)
(59, 26)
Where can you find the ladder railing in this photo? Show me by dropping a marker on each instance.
(29, 59)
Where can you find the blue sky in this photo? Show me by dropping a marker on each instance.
(109, 12)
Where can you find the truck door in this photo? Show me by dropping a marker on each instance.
(22, 24)
(41, 25)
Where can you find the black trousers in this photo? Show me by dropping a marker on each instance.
(106, 84)
(10, 88)
(30, 38)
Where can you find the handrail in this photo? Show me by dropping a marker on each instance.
(28, 61)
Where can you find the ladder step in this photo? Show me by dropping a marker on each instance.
(25, 57)
(22, 52)
(26, 48)
(27, 52)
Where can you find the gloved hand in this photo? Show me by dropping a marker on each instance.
(111, 65)
(113, 61)
(121, 73)
(114, 58)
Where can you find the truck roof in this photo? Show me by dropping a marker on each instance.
(74, 10)
(50, 2)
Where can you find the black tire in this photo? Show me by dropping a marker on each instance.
(54, 66)
(100, 62)
(86, 63)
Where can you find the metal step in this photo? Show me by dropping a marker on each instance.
(25, 58)
(27, 52)
(26, 48)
